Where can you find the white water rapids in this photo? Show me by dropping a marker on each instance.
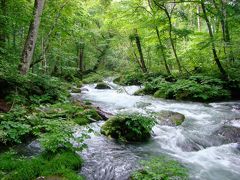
(193, 143)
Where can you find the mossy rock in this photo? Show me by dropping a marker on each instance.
(131, 128)
(79, 84)
(92, 113)
(139, 92)
(170, 118)
(76, 90)
(160, 94)
(102, 85)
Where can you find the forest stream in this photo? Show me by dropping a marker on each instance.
(195, 143)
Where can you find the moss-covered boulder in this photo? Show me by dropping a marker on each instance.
(170, 118)
(76, 90)
(139, 92)
(128, 127)
(102, 85)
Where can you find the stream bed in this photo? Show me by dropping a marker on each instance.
(195, 143)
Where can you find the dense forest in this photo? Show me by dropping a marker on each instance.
(67, 66)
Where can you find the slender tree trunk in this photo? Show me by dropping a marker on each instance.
(171, 40)
(199, 18)
(138, 43)
(162, 52)
(216, 59)
(135, 55)
(44, 59)
(81, 60)
(3, 35)
(30, 43)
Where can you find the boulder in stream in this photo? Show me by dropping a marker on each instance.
(230, 134)
(128, 127)
(76, 90)
(102, 85)
(169, 118)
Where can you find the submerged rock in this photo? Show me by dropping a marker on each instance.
(170, 118)
(102, 85)
(230, 134)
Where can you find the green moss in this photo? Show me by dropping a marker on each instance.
(139, 92)
(92, 113)
(63, 164)
(81, 120)
(76, 90)
(132, 127)
(160, 168)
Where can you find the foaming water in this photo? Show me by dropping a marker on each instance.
(193, 143)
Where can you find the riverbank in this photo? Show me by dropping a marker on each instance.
(38, 112)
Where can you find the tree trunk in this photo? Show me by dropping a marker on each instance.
(3, 25)
(216, 59)
(30, 43)
(138, 43)
(199, 18)
(135, 55)
(171, 39)
(81, 60)
(162, 52)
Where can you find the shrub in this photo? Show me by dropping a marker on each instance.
(128, 127)
(92, 78)
(130, 78)
(160, 168)
(191, 90)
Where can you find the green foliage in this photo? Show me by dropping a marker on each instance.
(130, 78)
(160, 168)
(62, 164)
(128, 127)
(13, 132)
(196, 88)
(32, 89)
(92, 78)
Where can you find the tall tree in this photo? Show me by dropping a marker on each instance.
(139, 46)
(30, 43)
(210, 31)
(3, 24)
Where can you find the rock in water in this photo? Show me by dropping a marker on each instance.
(170, 118)
(128, 127)
(76, 90)
(230, 134)
(102, 85)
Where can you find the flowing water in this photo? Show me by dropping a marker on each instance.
(193, 143)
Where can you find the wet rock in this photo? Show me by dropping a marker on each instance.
(139, 92)
(142, 104)
(170, 118)
(236, 108)
(76, 90)
(84, 89)
(35, 146)
(105, 115)
(189, 145)
(102, 85)
(230, 134)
